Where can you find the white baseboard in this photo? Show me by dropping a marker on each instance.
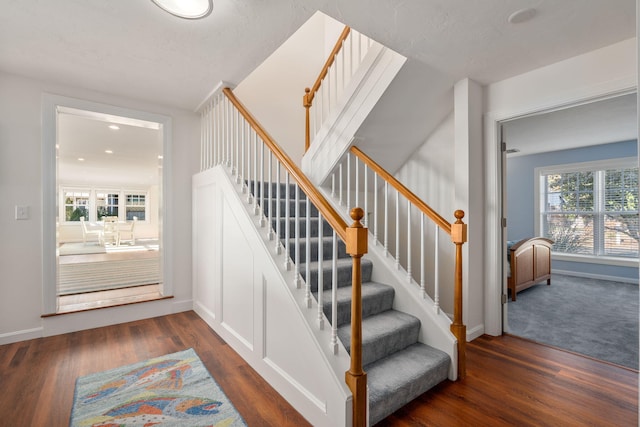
(180, 306)
(594, 276)
(24, 335)
(474, 333)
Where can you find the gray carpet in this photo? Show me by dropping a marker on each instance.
(596, 318)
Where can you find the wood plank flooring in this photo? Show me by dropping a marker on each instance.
(510, 382)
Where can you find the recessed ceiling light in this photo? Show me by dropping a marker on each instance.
(160, 157)
(108, 151)
(81, 159)
(522, 15)
(188, 9)
(114, 127)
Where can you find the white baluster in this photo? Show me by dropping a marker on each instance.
(320, 275)
(366, 195)
(258, 206)
(334, 294)
(296, 229)
(287, 196)
(397, 230)
(357, 203)
(307, 253)
(333, 185)
(242, 173)
(423, 291)
(386, 218)
(436, 297)
(340, 185)
(236, 131)
(270, 206)
(409, 241)
(278, 245)
(375, 208)
(348, 195)
(249, 175)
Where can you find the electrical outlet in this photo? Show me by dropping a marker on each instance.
(22, 212)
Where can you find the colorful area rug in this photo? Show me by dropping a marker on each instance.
(172, 390)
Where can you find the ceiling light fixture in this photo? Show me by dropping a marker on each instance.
(114, 127)
(108, 151)
(80, 159)
(188, 9)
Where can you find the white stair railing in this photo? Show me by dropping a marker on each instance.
(342, 63)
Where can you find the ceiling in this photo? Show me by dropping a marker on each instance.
(601, 122)
(134, 148)
(132, 49)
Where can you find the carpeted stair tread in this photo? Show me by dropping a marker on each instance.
(376, 298)
(327, 248)
(291, 204)
(343, 268)
(313, 227)
(399, 378)
(383, 334)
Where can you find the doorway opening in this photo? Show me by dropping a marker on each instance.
(103, 228)
(571, 176)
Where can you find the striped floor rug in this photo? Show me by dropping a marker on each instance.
(82, 277)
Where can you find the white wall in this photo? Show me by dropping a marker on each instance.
(600, 73)
(21, 275)
(427, 174)
(294, 66)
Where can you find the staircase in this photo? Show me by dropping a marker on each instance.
(398, 367)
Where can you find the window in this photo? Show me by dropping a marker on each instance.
(591, 209)
(76, 205)
(107, 204)
(136, 206)
(94, 204)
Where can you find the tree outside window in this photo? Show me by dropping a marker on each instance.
(591, 212)
(76, 205)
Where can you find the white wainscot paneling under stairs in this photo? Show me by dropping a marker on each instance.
(251, 302)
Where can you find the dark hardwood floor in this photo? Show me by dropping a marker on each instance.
(510, 382)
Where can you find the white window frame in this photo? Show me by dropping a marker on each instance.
(539, 201)
(93, 202)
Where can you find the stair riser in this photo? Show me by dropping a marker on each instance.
(343, 277)
(274, 191)
(404, 335)
(327, 249)
(291, 205)
(326, 229)
(371, 306)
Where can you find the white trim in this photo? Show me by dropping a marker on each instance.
(594, 259)
(51, 105)
(23, 335)
(621, 162)
(495, 277)
(595, 276)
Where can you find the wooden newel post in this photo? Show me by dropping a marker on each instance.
(306, 103)
(459, 237)
(355, 377)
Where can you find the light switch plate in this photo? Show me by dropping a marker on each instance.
(22, 212)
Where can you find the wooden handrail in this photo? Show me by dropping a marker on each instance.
(310, 93)
(408, 194)
(328, 212)
(327, 65)
(355, 237)
(458, 233)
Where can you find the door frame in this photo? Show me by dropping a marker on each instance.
(495, 243)
(51, 104)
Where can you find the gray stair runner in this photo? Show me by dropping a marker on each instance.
(398, 367)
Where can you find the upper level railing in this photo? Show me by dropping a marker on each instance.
(231, 137)
(342, 63)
